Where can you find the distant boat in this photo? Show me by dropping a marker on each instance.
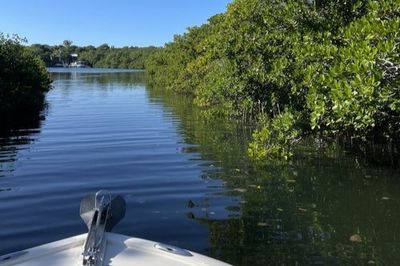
(79, 64)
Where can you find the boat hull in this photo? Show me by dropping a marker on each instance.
(120, 250)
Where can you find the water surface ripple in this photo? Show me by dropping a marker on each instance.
(101, 131)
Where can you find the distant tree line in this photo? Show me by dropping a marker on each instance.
(23, 81)
(317, 67)
(101, 56)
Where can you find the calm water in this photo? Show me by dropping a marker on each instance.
(187, 181)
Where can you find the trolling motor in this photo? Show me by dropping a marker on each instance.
(101, 213)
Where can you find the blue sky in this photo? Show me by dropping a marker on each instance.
(116, 22)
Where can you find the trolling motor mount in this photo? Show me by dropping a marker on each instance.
(101, 213)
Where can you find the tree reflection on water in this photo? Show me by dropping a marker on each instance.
(325, 207)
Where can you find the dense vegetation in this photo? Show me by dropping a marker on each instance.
(102, 56)
(297, 213)
(23, 80)
(327, 68)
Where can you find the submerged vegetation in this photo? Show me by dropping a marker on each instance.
(303, 212)
(324, 68)
(101, 56)
(23, 80)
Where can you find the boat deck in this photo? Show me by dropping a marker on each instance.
(120, 250)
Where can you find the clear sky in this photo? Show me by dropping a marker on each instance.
(116, 22)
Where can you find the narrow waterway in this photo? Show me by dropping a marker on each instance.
(187, 181)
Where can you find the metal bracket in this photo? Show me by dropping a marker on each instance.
(95, 243)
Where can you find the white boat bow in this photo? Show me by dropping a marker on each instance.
(120, 250)
(99, 247)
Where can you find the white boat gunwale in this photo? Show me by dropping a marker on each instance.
(99, 247)
(132, 244)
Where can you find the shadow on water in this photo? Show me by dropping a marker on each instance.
(326, 207)
(17, 133)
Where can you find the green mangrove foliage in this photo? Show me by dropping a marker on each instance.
(333, 67)
(23, 79)
(101, 56)
(275, 138)
(110, 57)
